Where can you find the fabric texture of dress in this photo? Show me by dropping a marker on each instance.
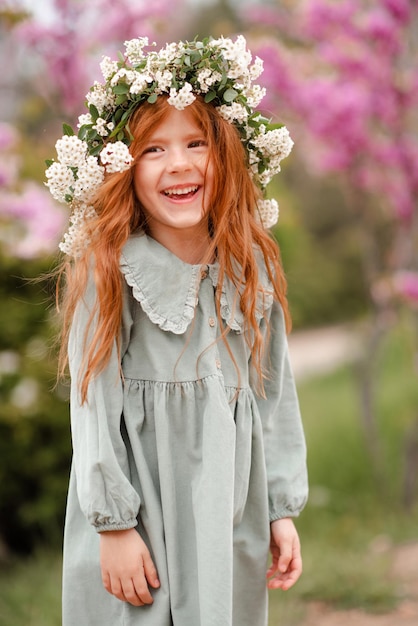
(181, 448)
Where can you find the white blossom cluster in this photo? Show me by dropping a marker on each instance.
(268, 212)
(182, 98)
(75, 177)
(77, 237)
(116, 157)
(270, 148)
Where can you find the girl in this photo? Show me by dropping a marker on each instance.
(189, 454)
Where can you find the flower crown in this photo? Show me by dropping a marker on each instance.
(219, 70)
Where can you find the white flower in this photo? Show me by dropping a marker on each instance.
(108, 67)
(76, 239)
(277, 143)
(100, 97)
(255, 95)
(60, 181)
(182, 98)
(89, 178)
(268, 212)
(257, 68)
(116, 157)
(164, 80)
(134, 49)
(140, 82)
(71, 150)
(169, 53)
(266, 176)
(101, 127)
(233, 112)
(84, 119)
(207, 78)
(128, 75)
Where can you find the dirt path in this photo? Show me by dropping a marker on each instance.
(320, 350)
(405, 579)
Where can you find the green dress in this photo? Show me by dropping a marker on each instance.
(181, 448)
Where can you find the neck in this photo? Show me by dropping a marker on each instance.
(190, 246)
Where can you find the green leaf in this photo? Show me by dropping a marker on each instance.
(152, 99)
(49, 162)
(211, 95)
(121, 99)
(120, 135)
(68, 198)
(94, 113)
(130, 135)
(121, 88)
(118, 115)
(230, 95)
(96, 150)
(82, 133)
(67, 130)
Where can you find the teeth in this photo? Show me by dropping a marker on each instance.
(180, 192)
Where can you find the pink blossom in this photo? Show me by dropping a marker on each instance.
(40, 222)
(383, 31)
(406, 285)
(320, 18)
(401, 10)
(78, 34)
(8, 137)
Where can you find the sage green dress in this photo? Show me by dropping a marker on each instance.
(182, 449)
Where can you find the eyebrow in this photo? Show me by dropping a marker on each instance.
(162, 138)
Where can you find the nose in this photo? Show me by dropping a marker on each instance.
(179, 160)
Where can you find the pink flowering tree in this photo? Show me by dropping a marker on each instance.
(346, 73)
(72, 41)
(64, 47)
(30, 221)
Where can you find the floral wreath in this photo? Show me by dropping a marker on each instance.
(219, 70)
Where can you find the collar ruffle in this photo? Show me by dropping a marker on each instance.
(167, 288)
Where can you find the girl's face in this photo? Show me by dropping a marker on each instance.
(173, 177)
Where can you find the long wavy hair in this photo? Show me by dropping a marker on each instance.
(237, 239)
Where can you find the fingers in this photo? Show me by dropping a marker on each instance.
(150, 571)
(286, 580)
(286, 565)
(133, 590)
(127, 567)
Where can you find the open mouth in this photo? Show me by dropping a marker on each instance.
(182, 193)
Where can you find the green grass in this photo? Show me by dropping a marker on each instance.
(347, 517)
(30, 592)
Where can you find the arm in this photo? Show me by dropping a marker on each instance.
(285, 451)
(100, 460)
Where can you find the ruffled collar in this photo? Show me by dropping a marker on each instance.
(167, 288)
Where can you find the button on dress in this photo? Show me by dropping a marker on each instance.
(181, 448)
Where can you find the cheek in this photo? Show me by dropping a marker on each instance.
(139, 178)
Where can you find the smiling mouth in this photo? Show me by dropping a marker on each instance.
(181, 192)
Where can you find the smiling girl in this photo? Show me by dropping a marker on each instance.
(189, 454)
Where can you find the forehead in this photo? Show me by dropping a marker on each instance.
(177, 123)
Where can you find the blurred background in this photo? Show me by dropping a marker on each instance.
(343, 76)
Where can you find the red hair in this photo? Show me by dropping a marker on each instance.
(236, 236)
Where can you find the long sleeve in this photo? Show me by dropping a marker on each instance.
(100, 459)
(284, 440)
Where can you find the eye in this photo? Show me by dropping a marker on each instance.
(198, 143)
(152, 149)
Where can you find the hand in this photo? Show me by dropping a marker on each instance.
(286, 566)
(127, 567)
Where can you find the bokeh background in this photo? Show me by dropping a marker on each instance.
(343, 76)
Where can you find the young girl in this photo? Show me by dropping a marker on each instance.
(189, 454)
